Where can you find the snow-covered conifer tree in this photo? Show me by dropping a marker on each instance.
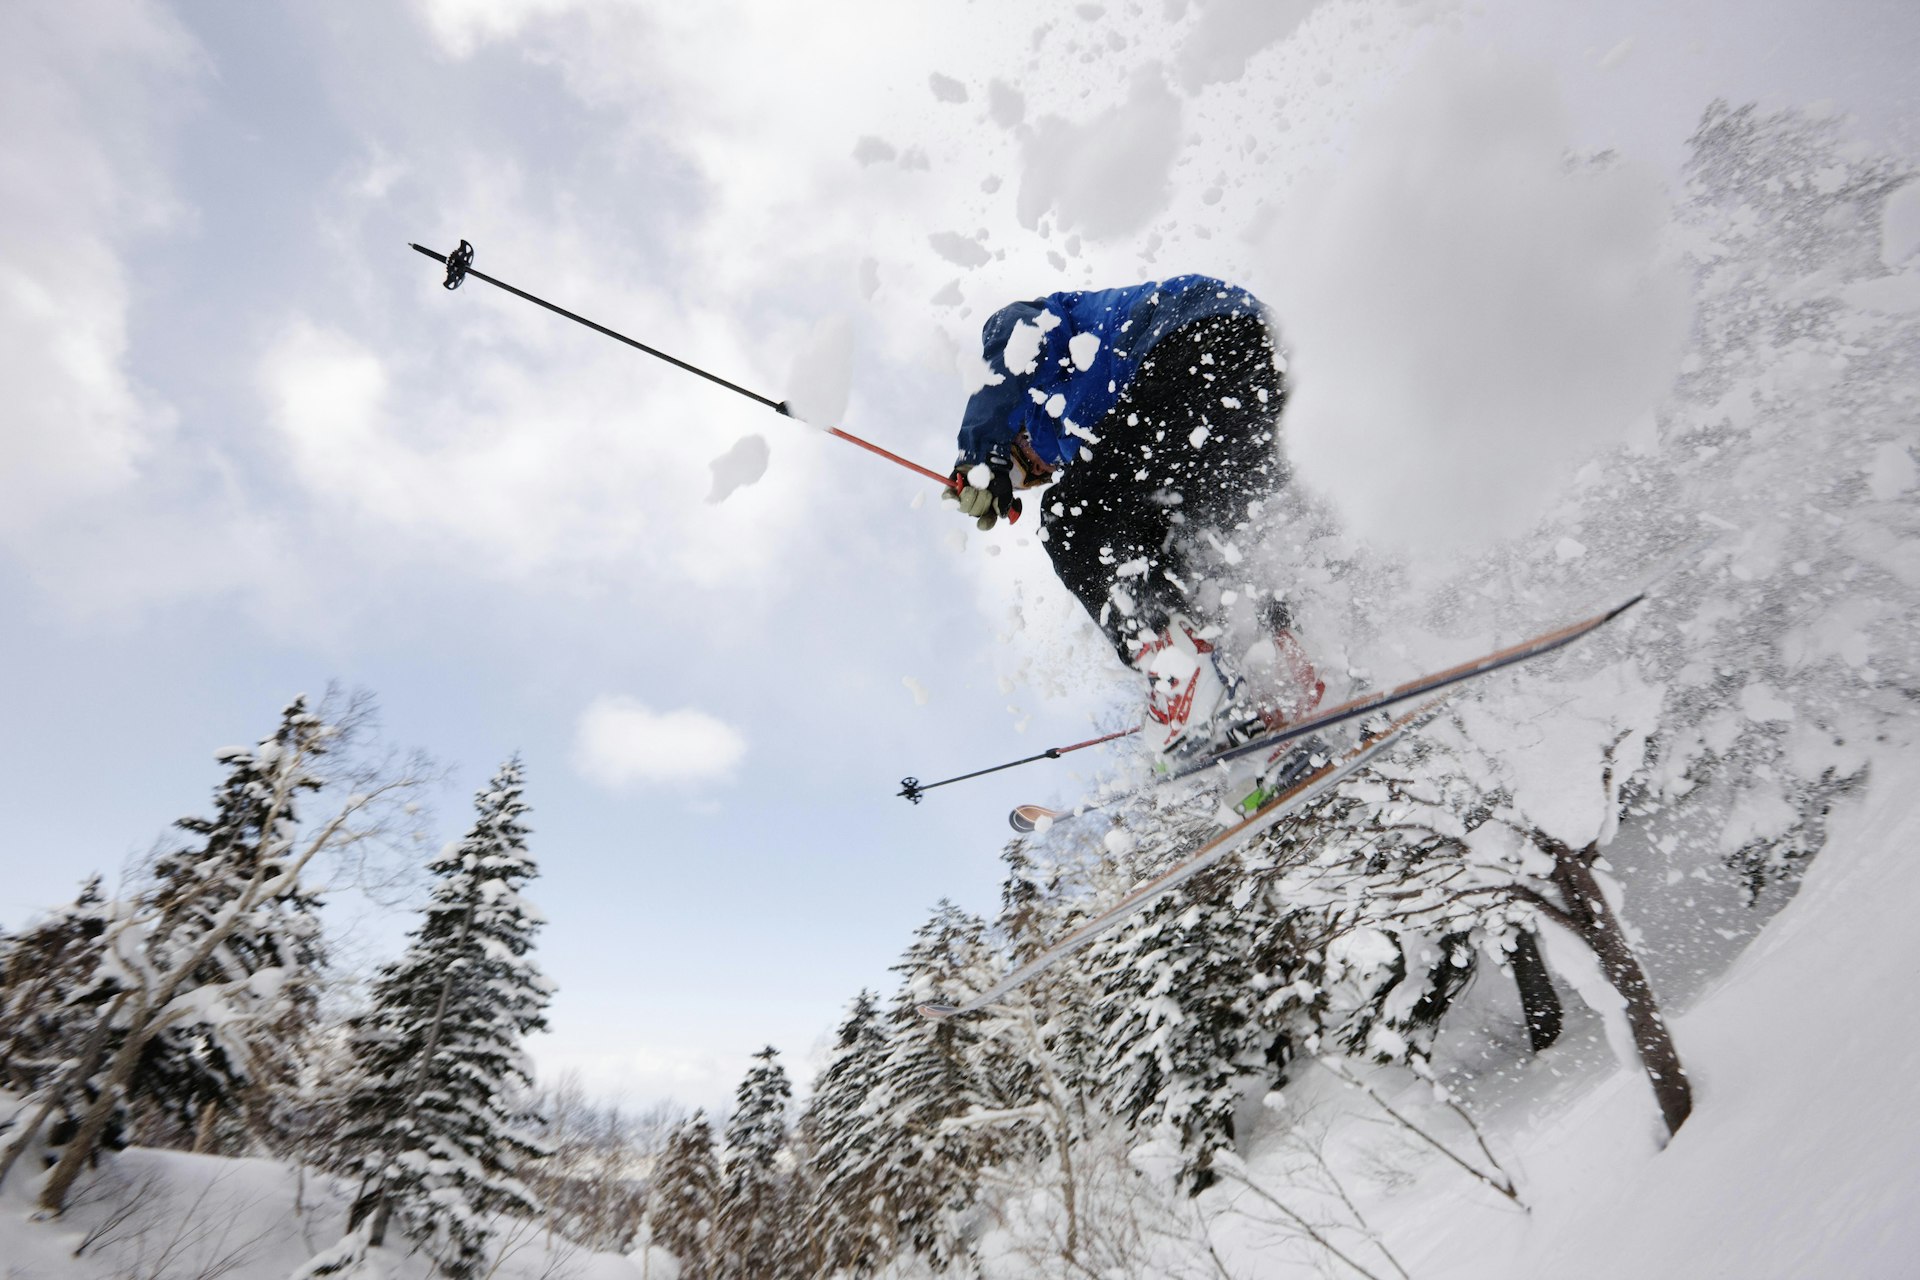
(43, 970)
(436, 1125)
(684, 1199)
(848, 1197)
(930, 1078)
(189, 1070)
(1184, 1029)
(752, 1236)
(165, 967)
(1429, 860)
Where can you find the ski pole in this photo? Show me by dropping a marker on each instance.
(459, 266)
(913, 788)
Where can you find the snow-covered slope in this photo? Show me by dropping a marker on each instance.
(1800, 1159)
(1797, 1162)
(167, 1215)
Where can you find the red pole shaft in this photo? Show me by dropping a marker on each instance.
(946, 482)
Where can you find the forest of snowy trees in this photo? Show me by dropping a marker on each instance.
(190, 1010)
(1085, 1116)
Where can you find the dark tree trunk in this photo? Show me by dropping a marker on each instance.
(1539, 1002)
(1587, 910)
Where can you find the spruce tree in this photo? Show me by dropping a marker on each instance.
(1184, 1028)
(753, 1238)
(43, 971)
(178, 977)
(436, 1128)
(51, 993)
(928, 1078)
(683, 1201)
(189, 1070)
(848, 1216)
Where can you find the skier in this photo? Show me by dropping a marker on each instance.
(1153, 412)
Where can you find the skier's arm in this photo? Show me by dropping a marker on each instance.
(983, 473)
(990, 422)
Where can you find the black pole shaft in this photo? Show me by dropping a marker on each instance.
(913, 788)
(776, 405)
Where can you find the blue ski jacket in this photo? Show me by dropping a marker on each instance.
(1056, 365)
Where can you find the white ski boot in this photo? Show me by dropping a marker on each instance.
(1187, 689)
(1283, 685)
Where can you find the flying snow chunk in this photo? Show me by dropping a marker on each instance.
(1228, 33)
(946, 88)
(738, 467)
(620, 742)
(1892, 472)
(1083, 347)
(1006, 105)
(1900, 225)
(960, 250)
(1022, 352)
(918, 690)
(822, 377)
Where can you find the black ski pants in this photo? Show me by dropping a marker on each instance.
(1192, 442)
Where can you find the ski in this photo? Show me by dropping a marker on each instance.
(1027, 817)
(1315, 784)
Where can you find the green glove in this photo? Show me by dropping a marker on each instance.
(984, 491)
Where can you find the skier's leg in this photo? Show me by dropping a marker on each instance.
(1223, 422)
(1108, 536)
(1216, 405)
(1207, 403)
(1190, 445)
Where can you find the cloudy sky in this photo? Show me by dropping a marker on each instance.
(250, 446)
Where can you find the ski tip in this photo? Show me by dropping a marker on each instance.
(1028, 818)
(934, 1012)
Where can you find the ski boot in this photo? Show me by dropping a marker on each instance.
(1278, 665)
(1187, 690)
(1292, 689)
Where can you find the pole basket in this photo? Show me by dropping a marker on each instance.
(457, 263)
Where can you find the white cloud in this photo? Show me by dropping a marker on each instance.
(620, 742)
(541, 458)
(463, 25)
(699, 1078)
(90, 89)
